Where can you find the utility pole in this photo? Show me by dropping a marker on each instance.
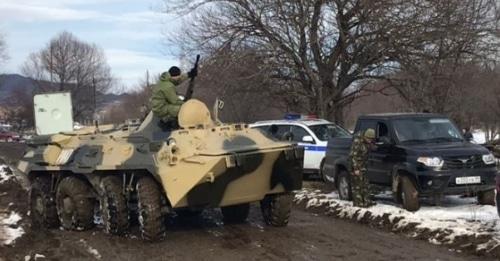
(51, 64)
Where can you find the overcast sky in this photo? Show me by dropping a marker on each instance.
(130, 32)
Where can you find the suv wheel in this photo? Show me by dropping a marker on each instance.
(75, 204)
(408, 194)
(344, 185)
(276, 209)
(486, 197)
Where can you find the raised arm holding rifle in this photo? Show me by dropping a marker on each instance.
(165, 102)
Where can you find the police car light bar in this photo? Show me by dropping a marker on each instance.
(296, 116)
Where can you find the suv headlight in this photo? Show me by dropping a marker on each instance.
(435, 162)
(489, 159)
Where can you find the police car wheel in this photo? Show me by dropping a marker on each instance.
(322, 172)
(344, 186)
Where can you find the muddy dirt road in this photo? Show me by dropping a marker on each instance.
(308, 237)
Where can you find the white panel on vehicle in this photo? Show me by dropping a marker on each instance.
(53, 113)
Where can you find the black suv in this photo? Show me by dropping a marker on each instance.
(417, 155)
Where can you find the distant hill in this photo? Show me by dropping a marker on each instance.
(10, 83)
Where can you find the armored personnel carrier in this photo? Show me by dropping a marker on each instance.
(149, 173)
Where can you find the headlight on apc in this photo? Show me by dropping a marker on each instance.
(489, 159)
(435, 162)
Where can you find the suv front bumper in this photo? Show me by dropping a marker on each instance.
(444, 181)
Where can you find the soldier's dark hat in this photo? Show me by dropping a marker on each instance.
(174, 71)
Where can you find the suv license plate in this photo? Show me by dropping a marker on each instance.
(468, 180)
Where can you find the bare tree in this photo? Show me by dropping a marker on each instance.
(70, 64)
(238, 79)
(137, 99)
(485, 100)
(3, 49)
(457, 34)
(322, 53)
(19, 109)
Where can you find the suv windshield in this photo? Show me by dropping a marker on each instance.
(325, 132)
(423, 130)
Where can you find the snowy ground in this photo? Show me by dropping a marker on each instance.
(10, 228)
(5, 174)
(479, 137)
(458, 222)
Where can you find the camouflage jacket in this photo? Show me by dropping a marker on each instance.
(358, 156)
(164, 101)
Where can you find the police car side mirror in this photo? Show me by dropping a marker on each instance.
(308, 139)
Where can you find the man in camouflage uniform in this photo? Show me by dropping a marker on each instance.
(362, 144)
(165, 103)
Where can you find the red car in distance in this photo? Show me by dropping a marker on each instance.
(9, 136)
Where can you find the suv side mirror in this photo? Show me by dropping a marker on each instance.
(308, 139)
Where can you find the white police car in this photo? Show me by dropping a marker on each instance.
(313, 134)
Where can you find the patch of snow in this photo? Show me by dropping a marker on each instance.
(94, 252)
(9, 229)
(38, 256)
(456, 217)
(5, 173)
(91, 250)
(479, 136)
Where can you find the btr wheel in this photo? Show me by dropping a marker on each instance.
(344, 185)
(486, 197)
(151, 219)
(113, 206)
(236, 214)
(276, 209)
(409, 194)
(75, 203)
(43, 203)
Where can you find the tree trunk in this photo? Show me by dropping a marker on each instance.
(338, 115)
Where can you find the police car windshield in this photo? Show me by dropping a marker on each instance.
(325, 132)
(426, 130)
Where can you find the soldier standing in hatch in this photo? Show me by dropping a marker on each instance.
(165, 103)
(362, 144)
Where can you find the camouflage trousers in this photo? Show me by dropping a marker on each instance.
(361, 194)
